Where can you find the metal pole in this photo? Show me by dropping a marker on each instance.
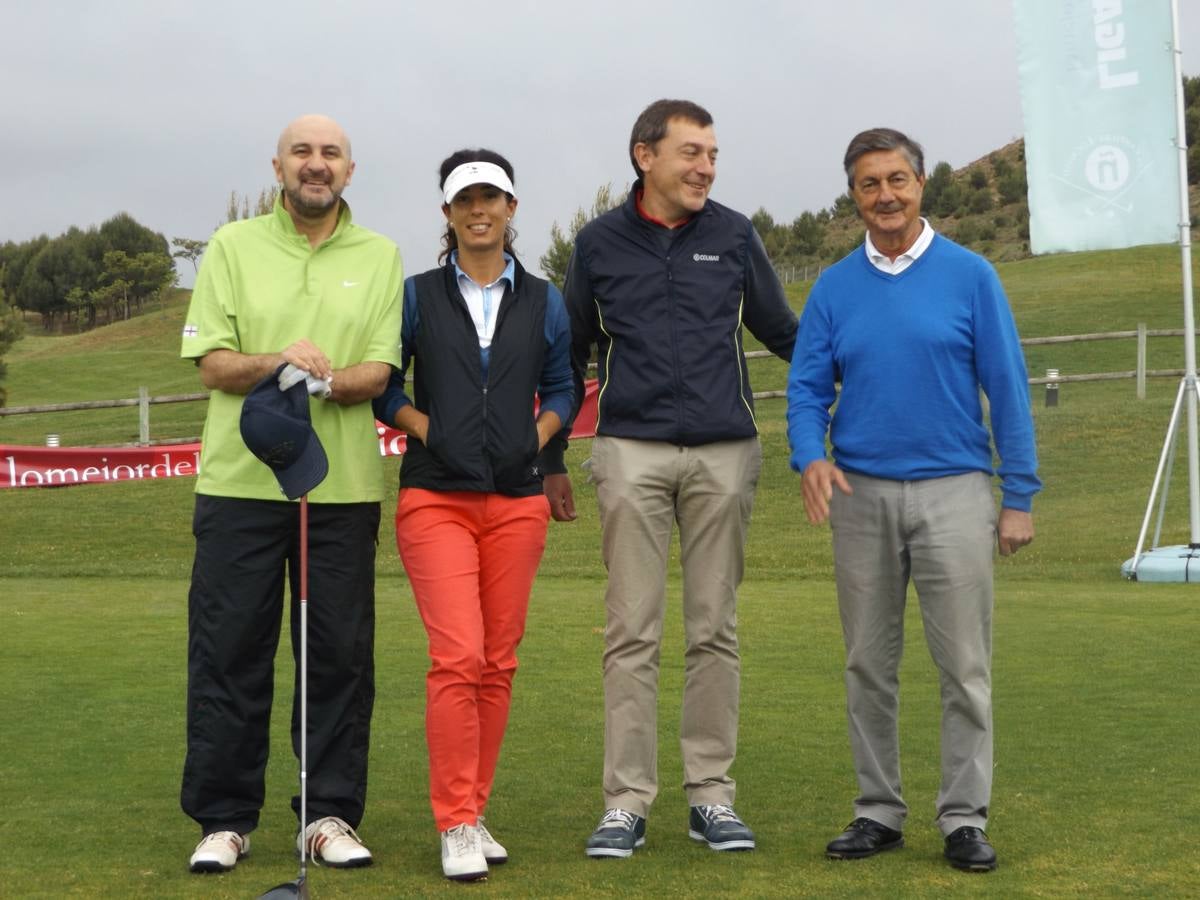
(1189, 320)
(1167, 452)
(306, 850)
(1166, 492)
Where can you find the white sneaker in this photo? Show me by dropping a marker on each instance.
(493, 850)
(462, 854)
(332, 842)
(219, 852)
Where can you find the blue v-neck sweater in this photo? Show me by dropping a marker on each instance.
(912, 352)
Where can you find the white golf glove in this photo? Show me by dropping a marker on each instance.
(317, 387)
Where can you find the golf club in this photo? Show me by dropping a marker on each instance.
(299, 887)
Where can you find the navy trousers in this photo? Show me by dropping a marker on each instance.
(235, 609)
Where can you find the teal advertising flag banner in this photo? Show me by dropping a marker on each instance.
(1098, 95)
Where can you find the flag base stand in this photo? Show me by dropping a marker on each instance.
(1165, 564)
(1179, 563)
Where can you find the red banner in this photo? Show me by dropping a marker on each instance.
(58, 466)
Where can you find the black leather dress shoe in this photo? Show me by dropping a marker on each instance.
(862, 838)
(968, 848)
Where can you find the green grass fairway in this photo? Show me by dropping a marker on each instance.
(1097, 680)
(1095, 688)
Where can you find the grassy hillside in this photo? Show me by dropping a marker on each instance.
(1098, 448)
(107, 363)
(999, 230)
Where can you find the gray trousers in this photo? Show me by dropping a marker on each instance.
(940, 533)
(643, 488)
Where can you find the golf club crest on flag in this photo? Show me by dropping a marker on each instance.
(276, 426)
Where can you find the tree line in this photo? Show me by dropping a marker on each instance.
(81, 275)
(95, 276)
(12, 327)
(810, 238)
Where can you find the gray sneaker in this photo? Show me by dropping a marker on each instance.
(720, 828)
(618, 833)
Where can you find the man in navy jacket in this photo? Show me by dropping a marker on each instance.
(662, 286)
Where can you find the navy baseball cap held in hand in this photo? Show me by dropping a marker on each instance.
(277, 427)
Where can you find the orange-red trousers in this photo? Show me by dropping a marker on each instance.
(471, 559)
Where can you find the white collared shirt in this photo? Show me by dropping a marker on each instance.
(905, 259)
(483, 300)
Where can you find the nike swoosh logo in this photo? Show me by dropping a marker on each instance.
(350, 284)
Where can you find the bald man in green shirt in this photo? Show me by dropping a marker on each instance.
(302, 285)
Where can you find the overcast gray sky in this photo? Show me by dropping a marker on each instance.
(162, 107)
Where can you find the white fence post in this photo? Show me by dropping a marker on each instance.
(1141, 361)
(143, 415)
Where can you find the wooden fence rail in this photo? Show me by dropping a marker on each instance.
(1103, 336)
(101, 404)
(143, 401)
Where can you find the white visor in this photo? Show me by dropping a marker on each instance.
(476, 173)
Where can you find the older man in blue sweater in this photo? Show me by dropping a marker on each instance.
(913, 326)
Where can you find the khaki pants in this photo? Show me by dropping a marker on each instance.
(643, 488)
(940, 533)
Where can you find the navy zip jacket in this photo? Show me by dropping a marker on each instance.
(482, 435)
(665, 309)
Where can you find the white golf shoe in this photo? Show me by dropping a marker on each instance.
(332, 842)
(462, 854)
(493, 850)
(219, 852)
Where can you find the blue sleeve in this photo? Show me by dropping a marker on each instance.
(581, 311)
(766, 312)
(556, 390)
(394, 397)
(1000, 368)
(812, 379)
